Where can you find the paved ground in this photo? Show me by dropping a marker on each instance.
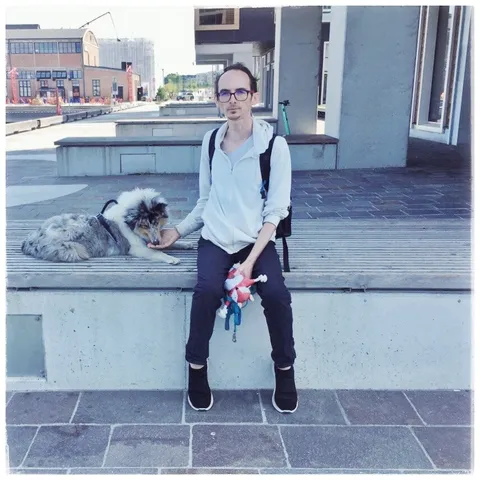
(436, 184)
(156, 432)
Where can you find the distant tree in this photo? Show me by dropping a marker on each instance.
(172, 78)
(192, 85)
(162, 94)
(171, 89)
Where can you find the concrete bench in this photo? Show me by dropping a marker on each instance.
(189, 109)
(377, 305)
(192, 128)
(83, 156)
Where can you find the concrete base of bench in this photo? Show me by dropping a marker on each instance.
(136, 339)
(377, 305)
(191, 128)
(87, 156)
(188, 109)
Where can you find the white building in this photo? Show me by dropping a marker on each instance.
(139, 51)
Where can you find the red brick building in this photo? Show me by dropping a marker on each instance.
(67, 59)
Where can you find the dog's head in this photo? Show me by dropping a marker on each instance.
(147, 216)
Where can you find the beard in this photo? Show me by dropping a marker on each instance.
(234, 113)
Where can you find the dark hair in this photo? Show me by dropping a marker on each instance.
(242, 68)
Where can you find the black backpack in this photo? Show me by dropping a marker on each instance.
(284, 228)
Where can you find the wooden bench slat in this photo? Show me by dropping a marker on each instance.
(398, 254)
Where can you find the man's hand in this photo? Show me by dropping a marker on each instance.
(167, 237)
(245, 269)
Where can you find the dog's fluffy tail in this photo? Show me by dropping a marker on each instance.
(62, 252)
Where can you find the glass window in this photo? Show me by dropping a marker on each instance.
(43, 74)
(20, 47)
(96, 88)
(46, 47)
(25, 88)
(69, 47)
(59, 74)
(217, 18)
(436, 66)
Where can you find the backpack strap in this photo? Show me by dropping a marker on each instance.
(211, 146)
(265, 166)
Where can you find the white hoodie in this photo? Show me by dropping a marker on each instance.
(231, 209)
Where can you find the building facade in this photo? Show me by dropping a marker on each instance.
(65, 59)
(228, 35)
(442, 87)
(405, 69)
(140, 52)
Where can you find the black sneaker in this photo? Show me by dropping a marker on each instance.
(199, 394)
(284, 398)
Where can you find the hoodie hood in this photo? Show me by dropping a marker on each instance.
(262, 133)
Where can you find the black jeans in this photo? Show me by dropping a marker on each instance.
(213, 264)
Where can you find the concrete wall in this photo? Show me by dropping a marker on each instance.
(464, 140)
(241, 52)
(78, 161)
(255, 25)
(370, 84)
(180, 128)
(296, 65)
(135, 340)
(118, 160)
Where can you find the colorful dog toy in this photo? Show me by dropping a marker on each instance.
(239, 290)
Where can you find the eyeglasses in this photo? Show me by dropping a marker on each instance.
(240, 94)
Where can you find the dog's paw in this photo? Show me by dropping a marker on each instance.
(173, 261)
(189, 245)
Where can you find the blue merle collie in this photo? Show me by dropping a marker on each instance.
(124, 229)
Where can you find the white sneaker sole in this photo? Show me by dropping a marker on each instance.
(201, 409)
(275, 406)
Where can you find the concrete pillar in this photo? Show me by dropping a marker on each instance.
(370, 84)
(244, 57)
(297, 59)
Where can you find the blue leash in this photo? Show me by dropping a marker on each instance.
(236, 311)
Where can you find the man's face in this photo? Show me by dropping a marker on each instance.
(236, 81)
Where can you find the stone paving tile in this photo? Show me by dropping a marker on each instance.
(438, 471)
(448, 447)
(19, 439)
(443, 407)
(375, 407)
(114, 471)
(314, 407)
(68, 446)
(229, 406)
(247, 446)
(209, 471)
(140, 406)
(323, 471)
(149, 446)
(38, 471)
(435, 181)
(353, 447)
(41, 407)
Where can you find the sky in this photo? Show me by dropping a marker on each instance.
(171, 28)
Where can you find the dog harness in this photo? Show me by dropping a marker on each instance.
(103, 222)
